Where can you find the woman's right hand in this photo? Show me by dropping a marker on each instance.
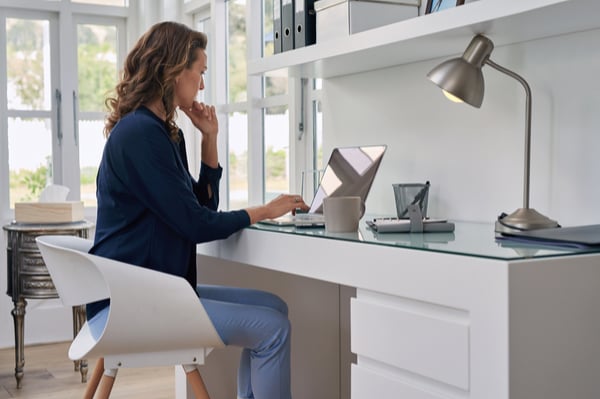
(279, 206)
(204, 118)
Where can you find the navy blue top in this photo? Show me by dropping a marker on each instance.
(151, 211)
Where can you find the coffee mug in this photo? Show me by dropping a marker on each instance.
(342, 214)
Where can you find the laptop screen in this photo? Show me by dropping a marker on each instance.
(349, 172)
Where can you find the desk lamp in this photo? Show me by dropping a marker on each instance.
(461, 80)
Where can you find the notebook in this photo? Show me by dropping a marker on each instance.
(584, 236)
(350, 171)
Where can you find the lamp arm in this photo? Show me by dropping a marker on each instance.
(527, 155)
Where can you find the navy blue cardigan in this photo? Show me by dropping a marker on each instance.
(151, 211)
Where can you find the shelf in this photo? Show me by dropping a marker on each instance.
(434, 35)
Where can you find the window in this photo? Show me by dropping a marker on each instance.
(317, 127)
(313, 137)
(238, 159)
(30, 124)
(277, 151)
(258, 115)
(237, 124)
(201, 24)
(52, 116)
(98, 64)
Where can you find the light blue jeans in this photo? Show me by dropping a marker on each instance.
(257, 322)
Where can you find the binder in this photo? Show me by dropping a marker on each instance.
(277, 26)
(305, 20)
(287, 24)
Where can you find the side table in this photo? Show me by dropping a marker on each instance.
(28, 278)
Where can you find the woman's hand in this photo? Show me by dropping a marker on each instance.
(285, 203)
(279, 206)
(204, 118)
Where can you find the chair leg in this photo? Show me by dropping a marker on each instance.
(106, 383)
(92, 384)
(195, 380)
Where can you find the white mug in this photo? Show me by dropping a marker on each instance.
(342, 214)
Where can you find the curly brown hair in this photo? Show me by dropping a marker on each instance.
(150, 69)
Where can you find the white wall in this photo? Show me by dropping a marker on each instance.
(474, 157)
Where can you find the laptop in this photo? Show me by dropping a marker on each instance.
(350, 171)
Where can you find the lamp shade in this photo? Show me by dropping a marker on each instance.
(461, 79)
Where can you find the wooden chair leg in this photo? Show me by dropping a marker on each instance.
(94, 380)
(106, 384)
(198, 387)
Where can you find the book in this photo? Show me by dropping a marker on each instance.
(573, 236)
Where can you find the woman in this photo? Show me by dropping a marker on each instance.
(152, 213)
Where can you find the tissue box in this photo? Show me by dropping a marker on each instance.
(339, 18)
(48, 212)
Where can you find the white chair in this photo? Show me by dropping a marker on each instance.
(155, 319)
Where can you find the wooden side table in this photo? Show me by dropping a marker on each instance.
(28, 278)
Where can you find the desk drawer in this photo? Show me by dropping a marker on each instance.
(368, 384)
(33, 263)
(26, 240)
(38, 287)
(416, 340)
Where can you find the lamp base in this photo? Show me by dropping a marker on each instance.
(524, 219)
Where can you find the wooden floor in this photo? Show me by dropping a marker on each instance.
(49, 375)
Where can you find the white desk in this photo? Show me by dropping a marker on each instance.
(449, 315)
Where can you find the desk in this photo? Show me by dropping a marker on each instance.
(449, 315)
(28, 278)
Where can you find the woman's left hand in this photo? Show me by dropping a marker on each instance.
(204, 118)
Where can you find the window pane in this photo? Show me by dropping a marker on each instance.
(91, 145)
(29, 158)
(238, 160)
(277, 146)
(96, 65)
(268, 34)
(118, 3)
(275, 85)
(203, 25)
(97, 76)
(236, 55)
(28, 64)
(318, 129)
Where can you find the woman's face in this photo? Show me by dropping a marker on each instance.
(190, 81)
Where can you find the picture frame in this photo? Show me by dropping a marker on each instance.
(439, 5)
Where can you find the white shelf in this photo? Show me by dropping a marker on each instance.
(434, 35)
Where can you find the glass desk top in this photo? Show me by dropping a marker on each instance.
(470, 239)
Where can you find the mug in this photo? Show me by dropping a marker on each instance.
(342, 214)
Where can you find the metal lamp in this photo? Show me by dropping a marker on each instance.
(461, 80)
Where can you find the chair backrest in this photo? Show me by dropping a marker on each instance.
(77, 280)
(150, 311)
